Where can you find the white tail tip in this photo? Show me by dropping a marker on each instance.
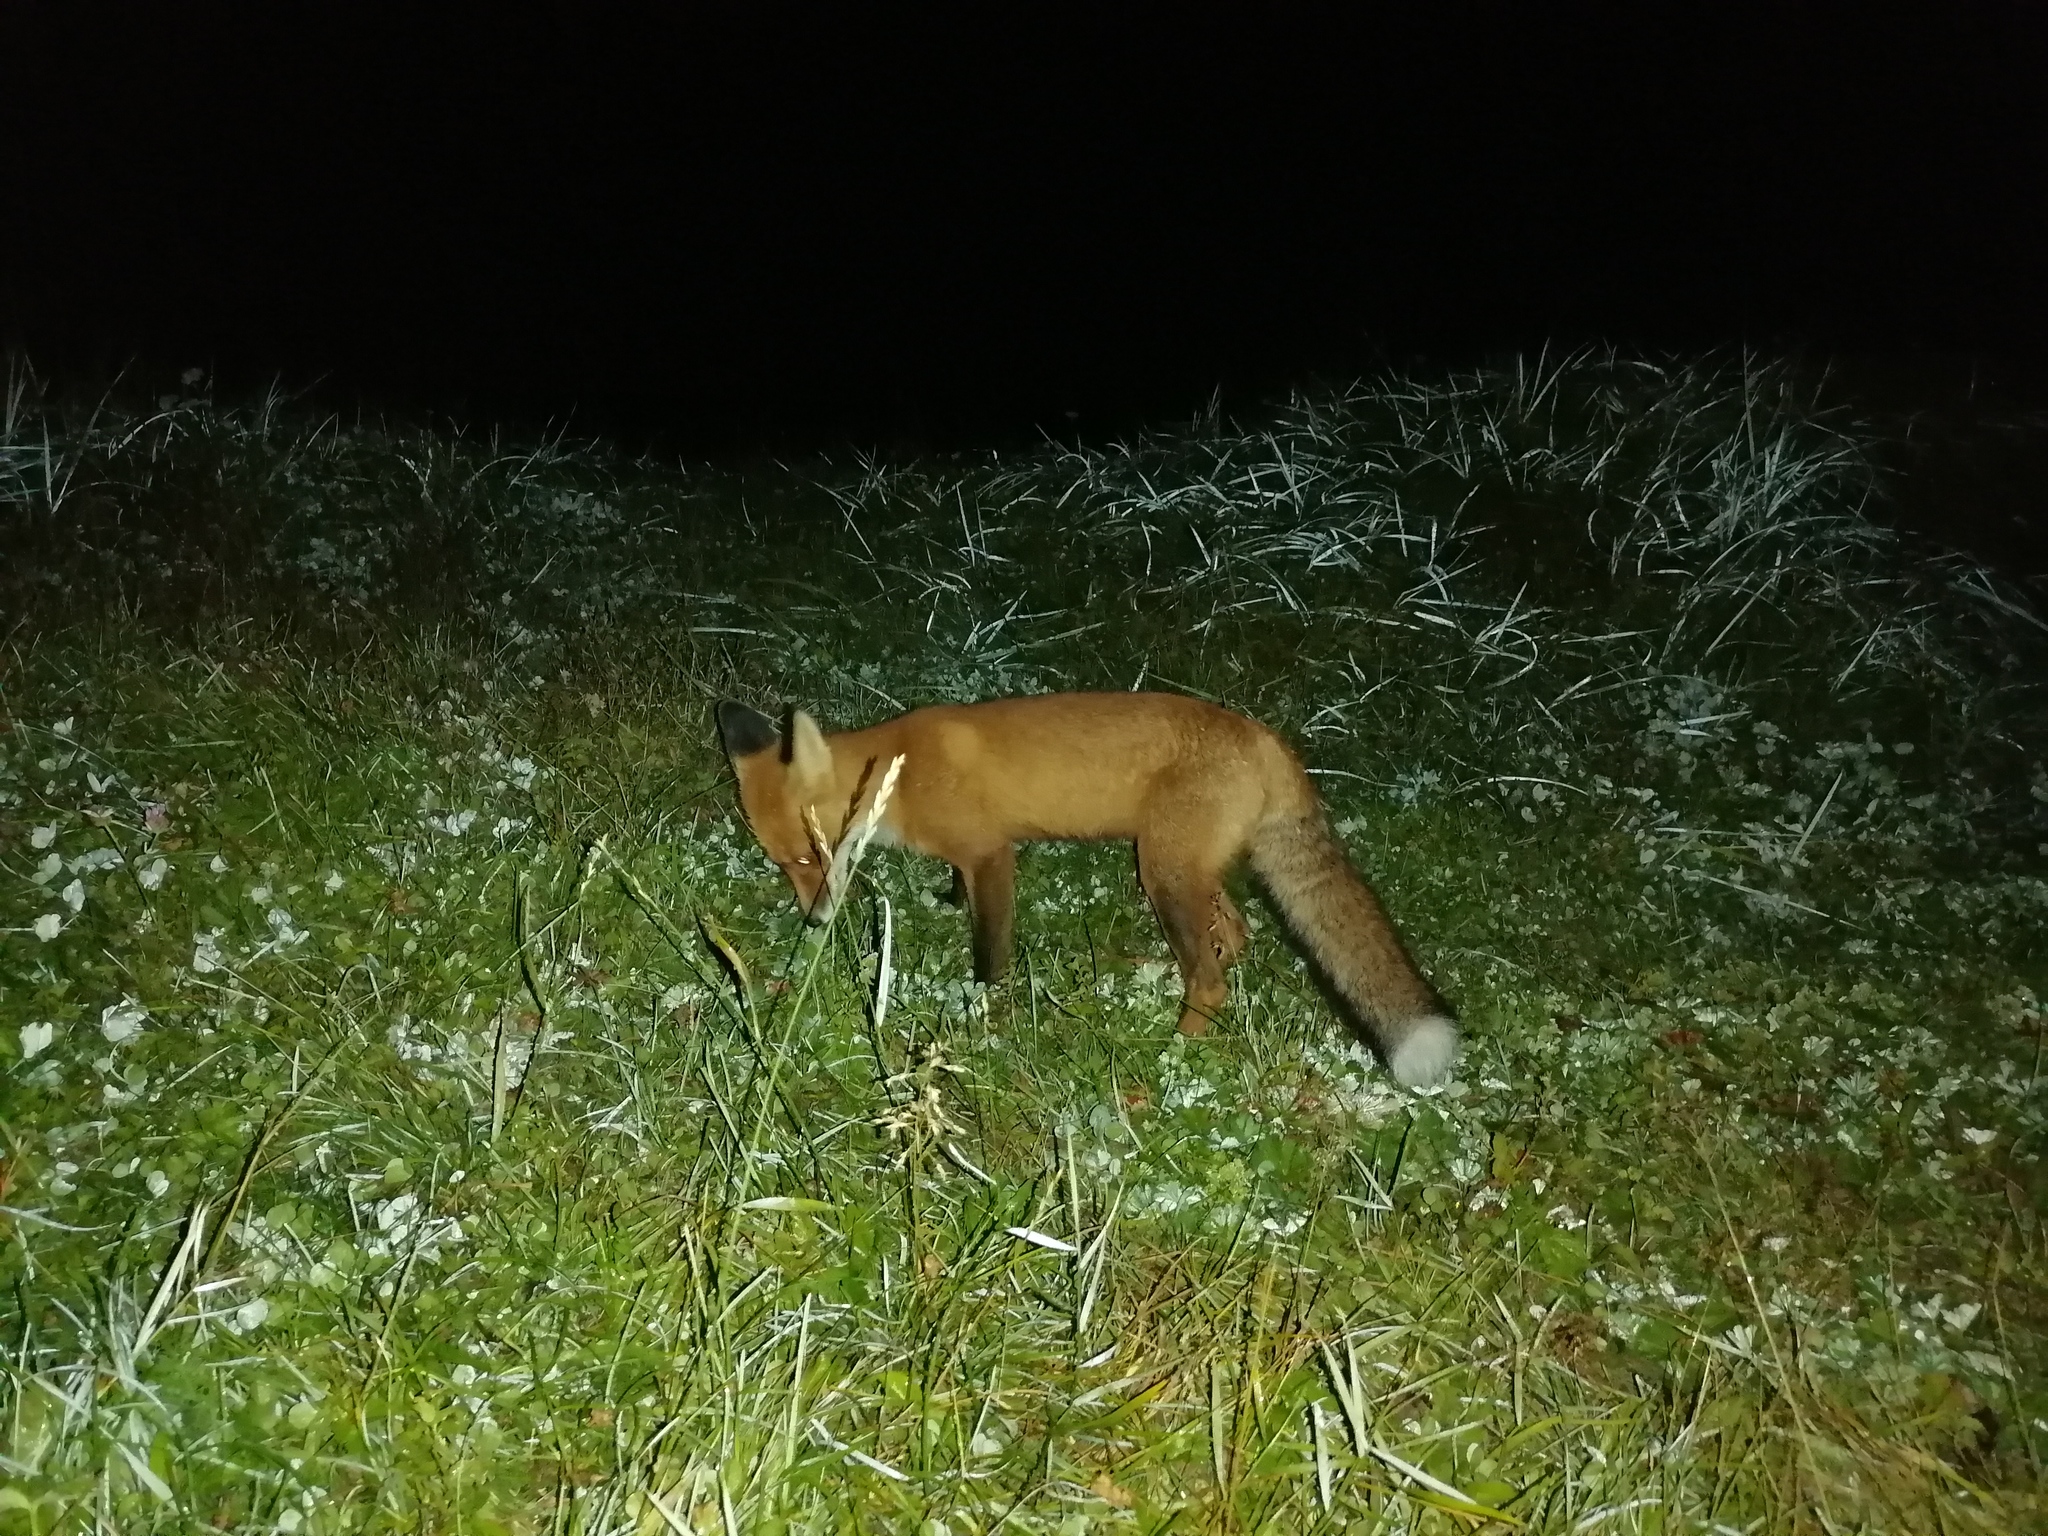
(1426, 1053)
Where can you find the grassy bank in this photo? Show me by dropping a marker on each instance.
(424, 1112)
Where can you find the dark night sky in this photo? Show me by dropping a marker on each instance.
(786, 224)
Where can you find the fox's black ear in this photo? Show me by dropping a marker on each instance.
(745, 731)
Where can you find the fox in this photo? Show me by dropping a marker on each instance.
(1195, 786)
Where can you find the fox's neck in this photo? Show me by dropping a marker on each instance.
(858, 767)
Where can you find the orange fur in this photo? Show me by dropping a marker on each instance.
(1194, 786)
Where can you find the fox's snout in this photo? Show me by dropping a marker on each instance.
(813, 898)
(818, 909)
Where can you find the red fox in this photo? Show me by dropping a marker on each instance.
(1195, 786)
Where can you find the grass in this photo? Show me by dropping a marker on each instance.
(423, 1110)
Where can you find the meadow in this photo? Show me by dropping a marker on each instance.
(423, 1109)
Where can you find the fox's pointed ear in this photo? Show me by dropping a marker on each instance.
(745, 731)
(807, 754)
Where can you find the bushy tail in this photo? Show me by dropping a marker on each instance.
(1346, 930)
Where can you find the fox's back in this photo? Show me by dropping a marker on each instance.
(1073, 765)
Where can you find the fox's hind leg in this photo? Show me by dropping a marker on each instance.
(1186, 898)
(991, 884)
(1198, 826)
(1228, 934)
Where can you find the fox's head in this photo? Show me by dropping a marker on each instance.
(782, 775)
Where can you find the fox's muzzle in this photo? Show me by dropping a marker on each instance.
(816, 904)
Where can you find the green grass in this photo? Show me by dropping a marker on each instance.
(424, 1112)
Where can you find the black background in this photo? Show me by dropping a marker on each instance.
(717, 229)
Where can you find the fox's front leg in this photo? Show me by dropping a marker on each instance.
(991, 884)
